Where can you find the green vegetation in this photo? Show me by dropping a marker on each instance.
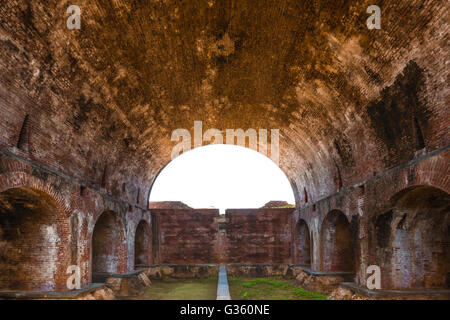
(181, 289)
(272, 288)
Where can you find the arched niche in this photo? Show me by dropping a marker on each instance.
(336, 243)
(302, 243)
(108, 244)
(143, 244)
(412, 240)
(34, 241)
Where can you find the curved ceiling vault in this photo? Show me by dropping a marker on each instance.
(349, 102)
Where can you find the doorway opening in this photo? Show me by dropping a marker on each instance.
(222, 177)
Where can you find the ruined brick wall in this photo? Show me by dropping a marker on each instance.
(71, 219)
(251, 235)
(258, 235)
(413, 240)
(363, 114)
(244, 235)
(187, 235)
(365, 207)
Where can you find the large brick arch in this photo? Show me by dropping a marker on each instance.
(363, 116)
(108, 244)
(35, 240)
(292, 183)
(336, 243)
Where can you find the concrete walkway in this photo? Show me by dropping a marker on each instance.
(223, 293)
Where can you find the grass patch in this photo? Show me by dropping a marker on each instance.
(181, 289)
(272, 288)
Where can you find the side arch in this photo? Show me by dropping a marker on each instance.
(412, 239)
(17, 179)
(143, 244)
(336, 244)
(34, 241)
(302, 243)
(108, 245)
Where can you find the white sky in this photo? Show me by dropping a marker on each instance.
(222, 176)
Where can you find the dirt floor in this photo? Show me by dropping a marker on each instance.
(271, 288)
(181, 289)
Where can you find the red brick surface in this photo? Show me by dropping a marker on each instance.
(248, 236)
(258, 235)
(87, 116)
(73, 217)
(187, 235)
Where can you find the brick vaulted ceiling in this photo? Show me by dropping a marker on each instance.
(103, 100)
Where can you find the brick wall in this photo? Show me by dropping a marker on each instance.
(244, 235)
(363, 114)
(187, 235)
(258, 235)
(241, 236)
(58, 228)
(366, 207)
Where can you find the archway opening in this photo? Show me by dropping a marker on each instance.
(108, 245)
(223, 177)
(143, 244)
(413, 241)
(34, 242)
(336, 243)
(302, 241)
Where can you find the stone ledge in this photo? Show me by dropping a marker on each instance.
(344, 274)
(322, 282)
(327, 274)
(157, 271)
(101, 277)
(128, 284)
(394, 293)
(300, 265)
(177, 271)
(74, 294)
